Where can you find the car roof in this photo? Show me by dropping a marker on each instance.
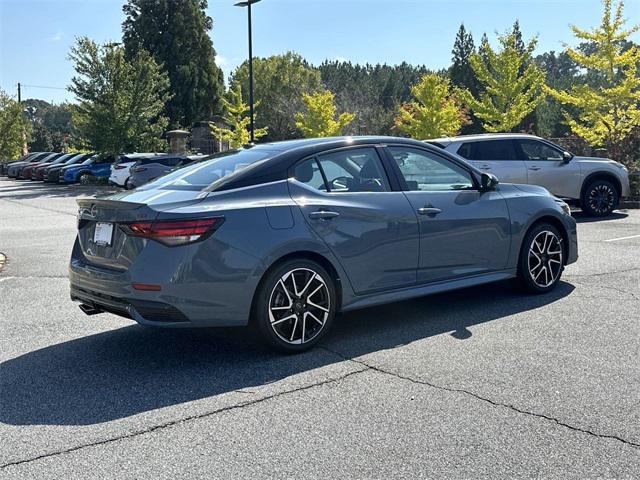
(478, 137)
(286, 153)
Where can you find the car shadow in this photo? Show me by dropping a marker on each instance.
(581, 217)
(134, 369)
(27, 189)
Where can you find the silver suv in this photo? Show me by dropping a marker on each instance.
(596, 184)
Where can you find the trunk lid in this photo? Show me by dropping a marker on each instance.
(115, 249)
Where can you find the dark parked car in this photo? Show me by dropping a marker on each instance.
(148, 168)
(38, 170)
(14, 168)
(52, 173)
(287, 234)
(24, 172)
(4, 164)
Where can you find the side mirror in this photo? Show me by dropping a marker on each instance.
(488, 181)
(566, 157)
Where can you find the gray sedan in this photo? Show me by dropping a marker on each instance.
(285, 235)
(149, 168)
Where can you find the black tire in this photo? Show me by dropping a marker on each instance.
(84, 178)
(127, 185)
(531, 279)
(600, 198)
(271, 302)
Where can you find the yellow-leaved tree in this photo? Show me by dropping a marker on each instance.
(608, 112)
(511, 84)
(237, 120)
(320, 118)
(434, 112)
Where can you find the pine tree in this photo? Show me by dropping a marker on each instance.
(511, 84)
(461, 73)
(176, 34)
(237, 118)
(434, 112)
(610, 110)
(320, 118)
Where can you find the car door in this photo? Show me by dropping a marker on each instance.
(463, 231)
(547, 167)
(346, 198)
(495, 156)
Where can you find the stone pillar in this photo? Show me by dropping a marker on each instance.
(178, 141)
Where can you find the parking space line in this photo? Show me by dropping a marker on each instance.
(622, 238)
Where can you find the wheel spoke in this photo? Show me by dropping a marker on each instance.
(284, 319)
(293, 331)
(324, 309)
(315, 318)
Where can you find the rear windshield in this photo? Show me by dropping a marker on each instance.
(204, 173)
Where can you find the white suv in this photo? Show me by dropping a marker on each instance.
(596, 184)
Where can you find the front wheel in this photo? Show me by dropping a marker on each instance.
(541, 259)
(599, 198)
(295, 305)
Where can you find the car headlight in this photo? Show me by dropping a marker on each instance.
(564, 206)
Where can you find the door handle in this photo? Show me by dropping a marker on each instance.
(534, 168)
(323, 215)
(429, 211)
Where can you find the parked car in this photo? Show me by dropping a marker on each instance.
(13, 169)
(120, 169)
(24, 172)
(38, 169)
(52, 173)
(98, 166)
(287, 234)
(4, 164)
(148, 168)
(596, 184)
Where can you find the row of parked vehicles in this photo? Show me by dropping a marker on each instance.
(595, 184)
(127, 171)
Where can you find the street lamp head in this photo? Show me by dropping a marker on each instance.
(246, 3)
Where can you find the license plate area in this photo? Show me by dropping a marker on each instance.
(103, 234)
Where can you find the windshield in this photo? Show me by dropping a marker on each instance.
(74, 158)
(204, 173)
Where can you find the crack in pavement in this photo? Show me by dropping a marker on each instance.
(183, 420)
(483, 399)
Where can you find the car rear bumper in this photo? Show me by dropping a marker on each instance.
(212, 300)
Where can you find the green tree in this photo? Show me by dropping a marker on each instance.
(279, 82)
(511, 84)
(14, 127)
(461, 73)
(433, 113)
(51, 124)
(320, 120)
(120, 101)
(176, 33)
(609, 111)
(237, 118)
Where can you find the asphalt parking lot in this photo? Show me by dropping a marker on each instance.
(484, 382)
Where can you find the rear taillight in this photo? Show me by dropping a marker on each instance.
(119, 167)
(138, 169)
(174, 232)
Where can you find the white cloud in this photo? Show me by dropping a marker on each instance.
(57, 36)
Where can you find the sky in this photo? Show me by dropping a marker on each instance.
(35, 35)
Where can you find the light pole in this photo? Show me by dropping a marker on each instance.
(248, 3)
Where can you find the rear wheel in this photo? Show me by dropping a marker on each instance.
(127, 184)
(295, 305)
(84, 179)
(599, 198)
(541, 259)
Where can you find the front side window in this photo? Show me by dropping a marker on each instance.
(535, 150)
(425, 171)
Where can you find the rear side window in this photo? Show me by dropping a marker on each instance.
(203, 174)
(535, 150)
(308, 172)
(488, 150)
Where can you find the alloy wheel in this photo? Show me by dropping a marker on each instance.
(299, 306)
(545, 258)
(601, 198)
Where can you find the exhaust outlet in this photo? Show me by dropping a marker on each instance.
(89, 310)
